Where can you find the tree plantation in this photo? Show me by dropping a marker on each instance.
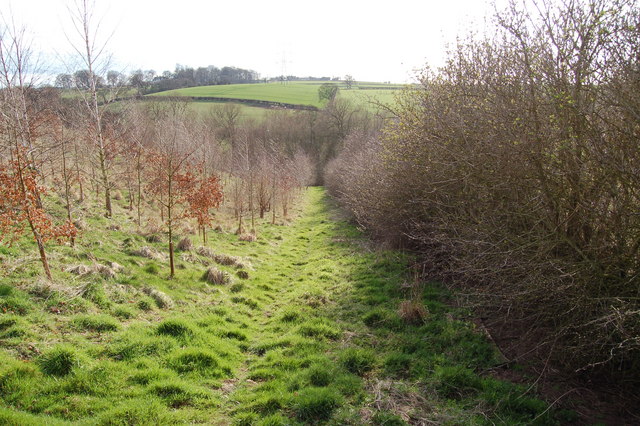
(466, 254)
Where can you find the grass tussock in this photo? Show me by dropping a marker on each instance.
(215, 276)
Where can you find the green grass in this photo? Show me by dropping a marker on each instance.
(296, 92)
(312, 336)
(293, 93)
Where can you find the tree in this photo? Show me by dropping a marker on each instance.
(169, 161)
(96, 61)
(327, 91)
(349, 81)
(20, 192)
(204, 195)
(64, 81)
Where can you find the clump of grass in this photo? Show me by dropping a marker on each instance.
(357, 360)
(194, 360)
(163, 301)
(152, 269)
(145, 304)
(243, 275)
(236, 288)
(245, 301)
(398, 364)
(386, 418)
(456, 381)
(124, 312)
(320, 375)
(175, 328)
(94, 292)
(216, 276)
(99, 323)
(318, 329)
(290, 315)
(137, 412)
(233, 334)
(413, 311)
(314, 404)
(58, 361)
(185, 244)
(175, 392)
(11, 326)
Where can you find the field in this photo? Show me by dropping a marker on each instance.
(296, 93)
(310, 324)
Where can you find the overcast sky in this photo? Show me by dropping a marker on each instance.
(371, 40)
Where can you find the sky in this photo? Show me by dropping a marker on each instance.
(369, 40)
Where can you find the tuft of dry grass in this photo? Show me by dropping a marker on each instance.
(216, 276)
(163, 301)
(185, 244)
(413, 311)
(247, 237)
(148, 252)
(243, 275)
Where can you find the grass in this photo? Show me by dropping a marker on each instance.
(295, 92)
(313, 335)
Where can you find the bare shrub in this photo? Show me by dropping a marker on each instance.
(513, 170)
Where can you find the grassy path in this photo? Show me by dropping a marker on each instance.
(320, 332)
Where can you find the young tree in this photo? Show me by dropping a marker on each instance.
(20, 193)
(95, 62)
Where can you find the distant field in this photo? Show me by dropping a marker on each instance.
(291, 93)
(298, 92)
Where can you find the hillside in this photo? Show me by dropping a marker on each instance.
(310, 325)
(304, 93)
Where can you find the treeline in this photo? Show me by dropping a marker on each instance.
(513, 171)
(148, 81)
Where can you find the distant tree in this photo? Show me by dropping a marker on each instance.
(115, 78)
(327, 91)
(349, 81)
(64, 81)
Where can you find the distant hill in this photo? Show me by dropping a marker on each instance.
(297, 93)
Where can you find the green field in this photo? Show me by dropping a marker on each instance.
(297, 93)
